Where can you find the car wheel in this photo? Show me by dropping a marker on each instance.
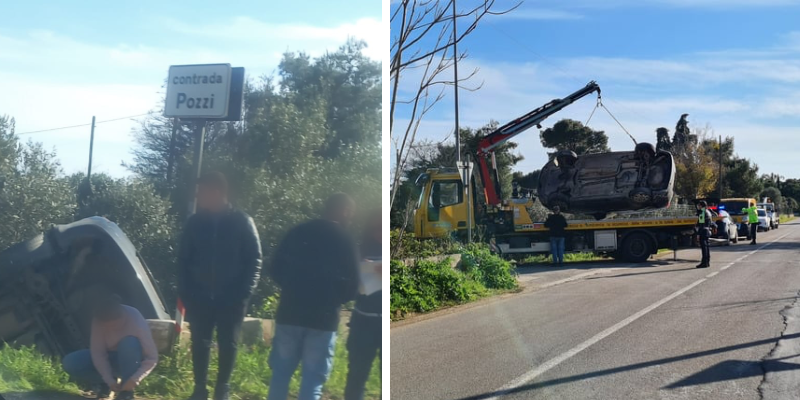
(640, 195)
(566, 158)
(599, 216)
(644, 151)
(558, 199)
(637, 247)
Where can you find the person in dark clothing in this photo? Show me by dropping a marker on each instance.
(219, 265)
(364, 342)
(557, 225)
(316, 267)
(704, 221)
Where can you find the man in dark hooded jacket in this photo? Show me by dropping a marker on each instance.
(219, 266)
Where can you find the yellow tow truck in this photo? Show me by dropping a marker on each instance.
(442, 209)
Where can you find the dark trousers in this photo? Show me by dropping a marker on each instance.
(203, 317)
(363, 344)
(753, 231)
(704, 249)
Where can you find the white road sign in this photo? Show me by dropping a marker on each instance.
(198, 91)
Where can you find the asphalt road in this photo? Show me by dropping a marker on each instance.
(662, 330)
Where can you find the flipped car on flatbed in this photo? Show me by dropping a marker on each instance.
(47, 284)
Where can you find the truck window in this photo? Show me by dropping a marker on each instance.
(444, 194)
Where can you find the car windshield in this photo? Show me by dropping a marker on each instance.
(733, 207)
(762, 213)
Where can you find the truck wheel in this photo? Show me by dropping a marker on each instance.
(636, 247)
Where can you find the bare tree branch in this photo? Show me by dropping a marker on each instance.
(421, 51)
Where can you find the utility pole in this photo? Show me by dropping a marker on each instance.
(465, 167)
(455, 82)
(199, 137)
(91, 151)
(719, 183)
(85, 187)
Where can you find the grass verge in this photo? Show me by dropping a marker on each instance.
(568, 257)
(25, 369)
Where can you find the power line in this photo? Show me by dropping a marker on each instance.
(81, 125)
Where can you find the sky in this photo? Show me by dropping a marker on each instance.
(732, 65)
(63, 62)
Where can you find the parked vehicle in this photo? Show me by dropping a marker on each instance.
(47, 284)
(726, 228)
(772, 212)
(764, 221)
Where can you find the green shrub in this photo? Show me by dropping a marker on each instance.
(490, 270)
(409, 246)
(428, 285)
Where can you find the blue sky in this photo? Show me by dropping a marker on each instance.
(733, 65)
(62, 62)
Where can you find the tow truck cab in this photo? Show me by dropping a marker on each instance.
(443, 211)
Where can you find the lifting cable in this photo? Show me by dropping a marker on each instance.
(600, 104)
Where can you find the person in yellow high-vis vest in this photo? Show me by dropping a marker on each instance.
(752, 219)
(704, 221)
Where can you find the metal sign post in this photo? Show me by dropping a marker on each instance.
(201, 93)
(199, 138)
(465, 168)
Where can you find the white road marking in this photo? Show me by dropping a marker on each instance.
(711, 275)
(555, 361)
(577, 277)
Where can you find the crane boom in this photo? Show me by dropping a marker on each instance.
(491, 182)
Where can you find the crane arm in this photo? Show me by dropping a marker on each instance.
(491, 184)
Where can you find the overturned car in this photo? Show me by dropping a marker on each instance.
(597, 184)
(47, 284)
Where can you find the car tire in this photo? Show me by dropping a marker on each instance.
(566, 158)
(641, 196)
(636, 247)
(558, 199)
(644, 148)
(600, 216)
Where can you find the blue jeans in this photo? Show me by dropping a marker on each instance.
(290, 346)
(124, 362)
(557, 248)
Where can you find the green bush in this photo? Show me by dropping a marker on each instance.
(408, 246)
(428, 285)
(490, 270)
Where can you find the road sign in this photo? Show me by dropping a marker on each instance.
(198, 91)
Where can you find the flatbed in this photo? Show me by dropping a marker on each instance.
(632, 239)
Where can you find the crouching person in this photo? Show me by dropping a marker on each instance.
(121, 347)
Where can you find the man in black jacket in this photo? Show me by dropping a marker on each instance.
(316, 267)
(557, 224)
(219, 265)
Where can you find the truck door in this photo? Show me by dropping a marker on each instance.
(446, 210)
